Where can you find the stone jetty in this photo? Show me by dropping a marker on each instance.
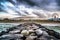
(29, 31)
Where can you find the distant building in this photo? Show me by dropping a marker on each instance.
(55, 16)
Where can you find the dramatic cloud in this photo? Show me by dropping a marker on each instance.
(30, 7)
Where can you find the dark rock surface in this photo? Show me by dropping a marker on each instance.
(18, 33)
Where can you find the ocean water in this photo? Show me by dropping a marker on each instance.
(55, 28)
(4, 26)
(52, 26)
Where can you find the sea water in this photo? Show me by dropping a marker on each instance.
(4, 26)
(55, 28)
(52, 26)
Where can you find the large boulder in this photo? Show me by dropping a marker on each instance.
(25, 32)
(38, 32)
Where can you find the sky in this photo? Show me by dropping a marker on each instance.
(34, 8)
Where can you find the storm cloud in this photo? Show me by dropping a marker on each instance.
(27, 7)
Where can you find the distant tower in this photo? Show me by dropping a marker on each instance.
(55, 15)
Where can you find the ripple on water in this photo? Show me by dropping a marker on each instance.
(4, 26)
(55, 28)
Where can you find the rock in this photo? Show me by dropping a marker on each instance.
(12, 39)
(31, 37)
(51, 32)
(33, 34)
(3, 32)
(57, 35)
(25, 32)
(45, 33)
(14, 31)
(23, 38)
(38, 31)
(31, 30)
(34, 27)
(11, 36)
(43, 29)
(19, 25)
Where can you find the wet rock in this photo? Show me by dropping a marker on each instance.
(15, 32)
(11, 36)
(23, 38)
(31, 30)
(51, 32)
(38, 31)
(19, 25)
(31, 37)
(3, 32)
(11, 29)
(57, 35)
(12, 39)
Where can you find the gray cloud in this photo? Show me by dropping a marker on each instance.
(44, 4)
(27, 7)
